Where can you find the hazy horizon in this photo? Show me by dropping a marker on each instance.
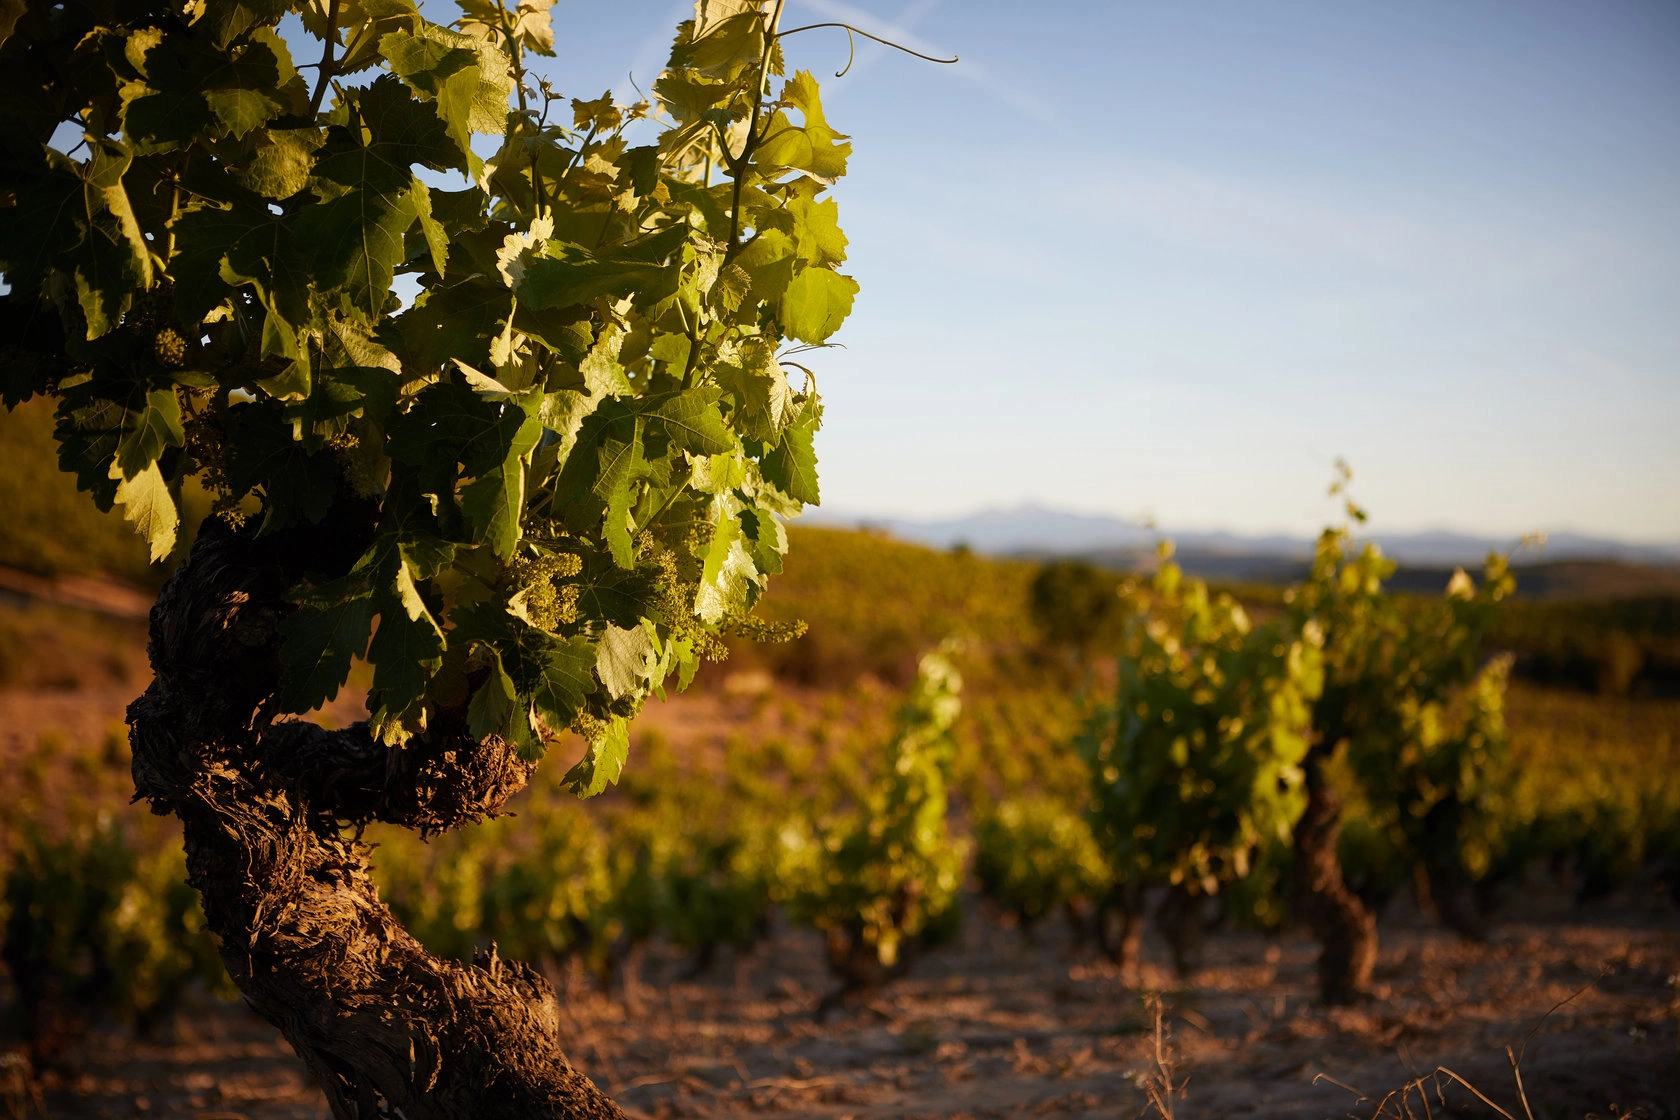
(830, 514)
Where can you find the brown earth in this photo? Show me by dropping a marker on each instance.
(998, 1027)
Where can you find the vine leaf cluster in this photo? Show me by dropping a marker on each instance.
(561, 470)
(1196, 765)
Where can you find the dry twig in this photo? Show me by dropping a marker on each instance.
(1157, 1081)
(1397, 1105)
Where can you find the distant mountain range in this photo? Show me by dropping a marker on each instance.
(1038, 531)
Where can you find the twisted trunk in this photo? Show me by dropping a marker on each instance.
(1120, 930)
(265, 806)
(1345, 928)
(1449, 890)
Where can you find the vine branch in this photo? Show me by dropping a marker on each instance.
(324, 71)
(850, 30)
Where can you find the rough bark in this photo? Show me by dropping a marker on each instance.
(1346, 930)
(266, 809)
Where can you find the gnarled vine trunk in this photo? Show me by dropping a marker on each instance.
(1450, 893)
(265, 806)
(1345, 928)
(1119, 925)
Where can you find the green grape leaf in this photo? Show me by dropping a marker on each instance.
(425, 56)
(425, 554)
(495, 501)
(227, 20)
(563, 413)
(766, 540)
(467, 80)
(58, 221)
(156, 428)
(187, 84)
(692, 420)
(812, 147)
(724, 32)
(241, 110)
(407, 649)
(450, 424)
(358, 242)
(602, 762)
(621, 597)
(437, 238)
(791, 465)
(363, 25)
(816, 231)
(765, 402)
(564, 681)
(768, 262)
(245, 244)
(816, 303)
(455, 322)
(602, 374)
(112, 258)
(622, 659)
(298, 485)
(621, 466)
(319, 641)
(727, 577)
(161, 121)
(566, 275)
(492, 708)
(281, 167)
(147, 502)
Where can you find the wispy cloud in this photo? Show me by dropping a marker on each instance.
(1302, 222)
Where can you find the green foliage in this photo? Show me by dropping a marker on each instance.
(1604, 647)
(1077, 605)
(917, 597)
(96, 922)
(679, 854)
(540, 885)
(887, 870)
(1409, 699)
(1595, 786)
(717, 874)
(569, 455)
(1033, 854)
(1198, 761)
(694, 851)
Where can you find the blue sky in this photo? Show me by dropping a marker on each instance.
(1172, 259)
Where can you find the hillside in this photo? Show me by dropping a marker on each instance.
(1036, 530)
(50, 527)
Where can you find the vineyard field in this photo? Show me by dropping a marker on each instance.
(659, 908)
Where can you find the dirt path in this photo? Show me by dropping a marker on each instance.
(995, 1027)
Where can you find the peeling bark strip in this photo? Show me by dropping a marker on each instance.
(384, 1025)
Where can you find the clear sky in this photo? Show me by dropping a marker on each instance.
(1173, 259)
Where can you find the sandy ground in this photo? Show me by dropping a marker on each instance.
(999, 1027)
